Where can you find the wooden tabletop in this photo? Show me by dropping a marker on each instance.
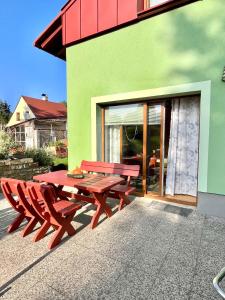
(91, 182)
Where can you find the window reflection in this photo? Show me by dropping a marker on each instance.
(124, 136)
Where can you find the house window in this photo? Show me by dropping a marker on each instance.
(145, 4)
(20, 135)
(156, 5)
(17, 116)
(26, 115)
(151, 3)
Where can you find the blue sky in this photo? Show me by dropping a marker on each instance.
(24, 69)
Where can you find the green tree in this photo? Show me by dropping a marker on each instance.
(64, 102)
(5, 112)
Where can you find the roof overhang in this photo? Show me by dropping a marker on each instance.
(20, 123)
(50, 120)
(50, 40)
(66, 29)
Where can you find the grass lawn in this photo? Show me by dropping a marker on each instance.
(59, 160)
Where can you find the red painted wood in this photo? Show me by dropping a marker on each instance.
(91, 183)
(108, 165)
(57, 214)
(72, 22)
(107, 14)
(110, 168)
(63, 18)
(127, 10)
(100, 202)
(89, 17)
(98, 185)
(123, 189)
(119, 191)
(15, 192)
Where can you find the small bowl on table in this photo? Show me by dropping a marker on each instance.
(76, 175)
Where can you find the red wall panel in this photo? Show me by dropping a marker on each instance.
(83, 18)
(89, 17)
(127, 10)
(72, 23)
(107, 14)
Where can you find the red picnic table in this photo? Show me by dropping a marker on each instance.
(96, 184)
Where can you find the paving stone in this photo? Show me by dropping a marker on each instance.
(17, 253)
(149, 250)
(133, 284)
(194, 296)
(44, 267)
(203, 285)
(168, 290)
(152, 253)
(175, 275)
(37, 291)
(210, 264)
(79, 273)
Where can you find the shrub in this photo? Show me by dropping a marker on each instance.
(7, 145)
(60, 143)
(41, 156)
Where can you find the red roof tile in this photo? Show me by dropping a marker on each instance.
(43, 109)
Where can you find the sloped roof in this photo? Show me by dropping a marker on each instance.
(43, 109)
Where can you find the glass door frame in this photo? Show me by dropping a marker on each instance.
(146, 105)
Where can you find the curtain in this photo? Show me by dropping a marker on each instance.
(115, 118)
(112, 144)
(182, 167)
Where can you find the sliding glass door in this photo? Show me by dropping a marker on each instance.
(124, 137)
(135, 134)
(162, 137)
(155, 148)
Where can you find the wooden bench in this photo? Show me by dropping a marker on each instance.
(120, 191)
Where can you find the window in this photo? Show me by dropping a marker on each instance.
(17, 116)
(123, 139)
(151, 3)
(159, 6)
(26, 115)
(20, 135)
(145, 4)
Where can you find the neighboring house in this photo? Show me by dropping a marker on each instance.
(144, 87)
(37, 122)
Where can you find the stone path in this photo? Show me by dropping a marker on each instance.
(149, 250)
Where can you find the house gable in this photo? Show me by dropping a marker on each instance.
(80, 20)
(23, 111)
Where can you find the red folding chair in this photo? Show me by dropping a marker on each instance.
(15, 192)
(58, 214)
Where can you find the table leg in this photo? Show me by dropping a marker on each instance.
(59, 191)
(100, 202)
(123, 200)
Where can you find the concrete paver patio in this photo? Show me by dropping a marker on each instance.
(149, 250)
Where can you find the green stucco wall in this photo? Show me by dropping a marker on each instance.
(182, 46)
